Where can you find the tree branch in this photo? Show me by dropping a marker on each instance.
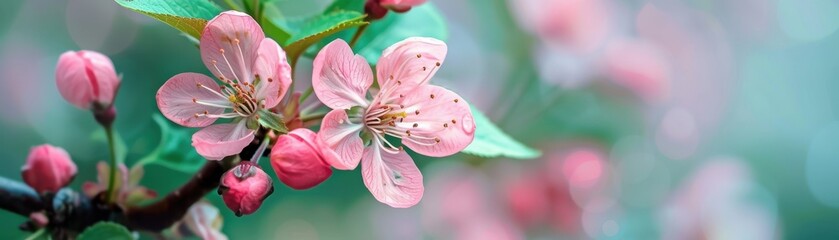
(162, 214)
(19, 198)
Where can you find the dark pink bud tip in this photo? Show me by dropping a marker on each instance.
(244, 187)
(374, 10)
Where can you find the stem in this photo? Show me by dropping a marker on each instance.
(313, 116)
(256, 12)
(37, 235)
(109, 132)
(358, 34)
(165, 212)
(233, 5)
(19, 198)
(262, 146)
(306, 94)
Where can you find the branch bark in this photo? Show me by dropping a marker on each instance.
(19, 198)
(162, 214)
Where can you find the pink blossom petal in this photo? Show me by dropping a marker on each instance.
(639, 66)
(409, 63)
(438, 114)
(341, 79)
(393, 179)
(221, 140)
(90, 189)
(400, 5)
(344, 145)
(229, 45)
(86, 76)
(274, 73)
(181, 98)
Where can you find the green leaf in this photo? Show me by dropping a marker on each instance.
(304, 33)
(174, 150)
(105, 231)
(350, 5)
(491, 142)
(422, 21)
(189, 16)
(272, 121)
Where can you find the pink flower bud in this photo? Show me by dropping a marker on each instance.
(298, 161)
(400, 5)
(86, 79)
(244, 187)
(48, 168)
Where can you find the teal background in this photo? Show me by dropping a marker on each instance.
(777, 116)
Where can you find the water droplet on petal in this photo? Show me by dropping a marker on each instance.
(468, 124)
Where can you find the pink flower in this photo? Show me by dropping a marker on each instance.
(255, 76)
(48, 168)
(299, 161)
(127, 190)
(430, 120)
(244, 187)
(86, 78)
(202, 220)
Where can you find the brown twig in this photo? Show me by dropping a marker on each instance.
(162, 214)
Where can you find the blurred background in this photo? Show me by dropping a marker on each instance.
(658, 119)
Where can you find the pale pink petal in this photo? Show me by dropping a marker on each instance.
(103, 74)
(409, 63)
(72, 80)
(344, 145)
(393, 179)
(229, 45)
(84, 77)
(341, 79)
(90, 189)
(180, 98)
(443, 120)
(221, 140)
(274, 73)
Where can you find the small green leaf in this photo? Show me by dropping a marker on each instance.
(189, 16)
(490, 141)
(272, 121)
(174, 150)
(304, 33)
(105, 231)
(421, 21)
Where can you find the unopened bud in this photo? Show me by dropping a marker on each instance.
(298, 161)
(48, 168)
(86, 78)
(244, 187)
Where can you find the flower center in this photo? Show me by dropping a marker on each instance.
(390, 119)
(240, 93)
